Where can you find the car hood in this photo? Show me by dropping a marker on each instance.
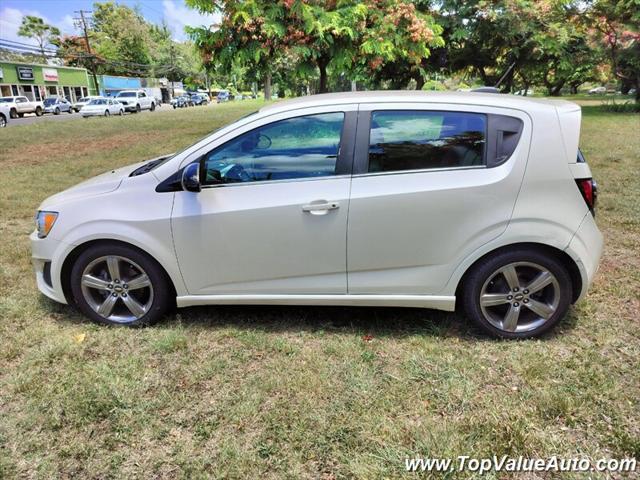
(99, 185)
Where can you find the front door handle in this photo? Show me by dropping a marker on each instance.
(320, 207)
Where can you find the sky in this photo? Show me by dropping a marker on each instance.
(61, 12)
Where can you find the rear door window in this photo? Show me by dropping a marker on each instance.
(417, 140)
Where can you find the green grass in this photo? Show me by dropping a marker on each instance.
(284, 392)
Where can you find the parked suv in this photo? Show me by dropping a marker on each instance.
(18, 106)
(415, 199)
(136, 100)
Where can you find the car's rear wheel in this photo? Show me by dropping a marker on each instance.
(38, 112)
(118, 285)
(3, 121)
(138, 108)
(56, 111)
(106, 113)
(13, 113)
(153, 107)
(71, 110)
(121, 112)
(520, 293)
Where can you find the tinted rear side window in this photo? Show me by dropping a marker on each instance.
(416, 140)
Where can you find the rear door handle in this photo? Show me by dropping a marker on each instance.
(320, 207)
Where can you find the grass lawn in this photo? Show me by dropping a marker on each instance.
(296, 392)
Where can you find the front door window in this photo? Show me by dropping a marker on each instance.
(295, 148)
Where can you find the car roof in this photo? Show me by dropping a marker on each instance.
(406, 96)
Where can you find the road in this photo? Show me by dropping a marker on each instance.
(48, 117)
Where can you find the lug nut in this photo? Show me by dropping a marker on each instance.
(109, 286)
(114, 294)
(509, 297)
(525, 291)
(516, 304)
(125, 286)
(117, 281)
(516, 289)
(124, 294)
(526, 300)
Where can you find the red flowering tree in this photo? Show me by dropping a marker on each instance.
(344, 36)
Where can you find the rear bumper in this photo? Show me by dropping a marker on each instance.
(586, 250)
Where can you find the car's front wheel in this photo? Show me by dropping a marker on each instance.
(38, 112)
(3, 121)
(13, 113)
(519, 293)
(106, 113)
(153, 107)
(56, 111)
(119, 285)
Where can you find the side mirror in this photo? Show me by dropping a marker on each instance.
(191, 178)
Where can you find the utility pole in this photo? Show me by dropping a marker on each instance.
(81, 22)
(172, 57)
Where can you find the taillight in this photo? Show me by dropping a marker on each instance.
(589, 189)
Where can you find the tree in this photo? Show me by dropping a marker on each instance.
(342, 36)
(43, 33)
(617, 23)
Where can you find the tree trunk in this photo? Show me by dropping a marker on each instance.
(419, 82)
(322, 65)
(267, 86)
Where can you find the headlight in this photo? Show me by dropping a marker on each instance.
(44, 222)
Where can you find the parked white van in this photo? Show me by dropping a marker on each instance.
(419, 199)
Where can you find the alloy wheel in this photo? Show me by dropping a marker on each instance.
(117, 289)
(520, 297)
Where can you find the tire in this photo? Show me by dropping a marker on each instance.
(153, 107)
(525, 313)
(138, 108)
(121, 112)
(3, 121)
(71, 110)
(21, 115)
(56, 111)
(157, 297)
(38, 112)
(13, 113)
(107, 113)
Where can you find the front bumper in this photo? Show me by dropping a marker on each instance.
(47, 256)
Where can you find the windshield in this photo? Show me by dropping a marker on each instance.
(84, 99)
(126, 94)
(98, 101)
(49, 101)
(6, 99)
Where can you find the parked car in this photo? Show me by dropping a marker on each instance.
(19, 105)
(598, 91)
(223, 96)
(199, 99)
(57, 105)
(182, 101)
(102, 107)
(632, 91)
(83, 101)
(5, 114)
(415, 199)
(136, 100)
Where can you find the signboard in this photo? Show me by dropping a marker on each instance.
(50, 74)
(25, 73)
